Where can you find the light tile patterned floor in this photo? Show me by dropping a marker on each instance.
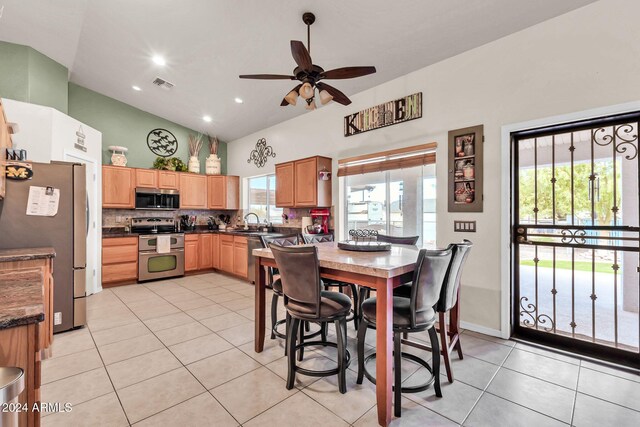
(180, 352)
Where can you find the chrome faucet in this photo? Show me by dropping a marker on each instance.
(251, 213)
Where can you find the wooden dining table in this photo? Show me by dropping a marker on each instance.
(380, 271)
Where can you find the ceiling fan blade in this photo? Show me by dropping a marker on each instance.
(347, 72)
(284, 102)
(338, 96)
(301, 55)
(267, 77)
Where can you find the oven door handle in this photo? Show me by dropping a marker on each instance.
(153, 252)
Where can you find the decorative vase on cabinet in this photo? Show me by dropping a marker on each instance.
(213, 165)
(194, 164)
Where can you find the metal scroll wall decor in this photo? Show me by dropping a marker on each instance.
(162, 143)
(261, 153)
(387, 114)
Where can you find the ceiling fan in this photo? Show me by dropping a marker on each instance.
(310, 74)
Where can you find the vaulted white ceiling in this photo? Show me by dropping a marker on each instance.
(108, 45)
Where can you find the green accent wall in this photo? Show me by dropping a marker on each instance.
(122, 124)
(29, 76)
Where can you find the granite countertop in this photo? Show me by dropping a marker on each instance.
(21, 298)
(27, 254)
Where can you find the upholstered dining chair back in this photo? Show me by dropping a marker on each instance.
(317, 238)
(300, 275)
(291, 240)
(398, 240)
(429, 276)
(449, 293)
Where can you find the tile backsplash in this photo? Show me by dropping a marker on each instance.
(122, 217)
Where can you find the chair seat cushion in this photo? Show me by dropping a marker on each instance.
(401, 313)
(403, 291)
(332, 304)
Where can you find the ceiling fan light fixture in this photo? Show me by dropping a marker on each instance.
(311, 104)
(325, 97)
(306, 91)
(292, 97)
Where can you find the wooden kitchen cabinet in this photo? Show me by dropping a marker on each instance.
(223, 192)
(191, 252)
(240, 256)
(226, 253)
(118, 184)
(168, 180)
(147, 178)
(215, 251)
(298, 183)
(285, 186)
(119, 259)
(193, 194)
(205, 254)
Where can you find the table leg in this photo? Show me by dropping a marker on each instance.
(384, 350)
(260, 284)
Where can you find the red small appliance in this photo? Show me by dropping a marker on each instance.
(321, 217)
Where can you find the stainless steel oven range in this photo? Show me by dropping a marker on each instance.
(160, 248)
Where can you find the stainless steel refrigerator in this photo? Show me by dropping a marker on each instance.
(66, 232)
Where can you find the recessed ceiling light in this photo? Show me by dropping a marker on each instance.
(159, 60)
(239, 100)
(136, 88)
(206, 118)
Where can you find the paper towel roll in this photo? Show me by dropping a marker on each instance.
(306, 221)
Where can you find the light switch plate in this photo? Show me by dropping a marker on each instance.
(464, 226)
(57, 318)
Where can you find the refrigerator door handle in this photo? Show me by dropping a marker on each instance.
(79, 216)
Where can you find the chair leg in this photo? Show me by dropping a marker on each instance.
(324, 327)
(361, 335)
(291, 352)
(287, 322)
(459, 348)
(397, 373)
(356, 319)
(301, 338)
(444, 342)
(341, 340)
(454, 324)
(435, 360)
(274, 314)
(307, 328)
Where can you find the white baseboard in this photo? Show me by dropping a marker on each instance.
(481, 329)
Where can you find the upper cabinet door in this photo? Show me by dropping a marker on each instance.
(118, 187)
(285, 182)
(193, 194)
(306, 182)
(224, 192)
(147, 178)
(217, 192)
(168, 180)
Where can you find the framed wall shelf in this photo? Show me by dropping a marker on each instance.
(465, 169)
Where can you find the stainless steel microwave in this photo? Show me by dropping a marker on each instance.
(157, 199)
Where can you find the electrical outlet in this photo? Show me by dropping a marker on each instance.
(464, 226)
(57, 318)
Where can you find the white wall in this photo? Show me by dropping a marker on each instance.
(585, 59)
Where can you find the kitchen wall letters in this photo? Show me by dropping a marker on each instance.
(387, 114)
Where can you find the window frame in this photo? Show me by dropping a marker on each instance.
(270, 203)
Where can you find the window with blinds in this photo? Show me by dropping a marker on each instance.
(393, 192)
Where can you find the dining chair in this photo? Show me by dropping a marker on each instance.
(449, 303)
(321, 238)
(394, 240)
(275, 283)
(410, 315)
(306, 301)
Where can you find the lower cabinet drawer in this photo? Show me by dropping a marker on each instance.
(119, 272)
(119, 254)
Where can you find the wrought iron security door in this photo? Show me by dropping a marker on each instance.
(576, 233)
